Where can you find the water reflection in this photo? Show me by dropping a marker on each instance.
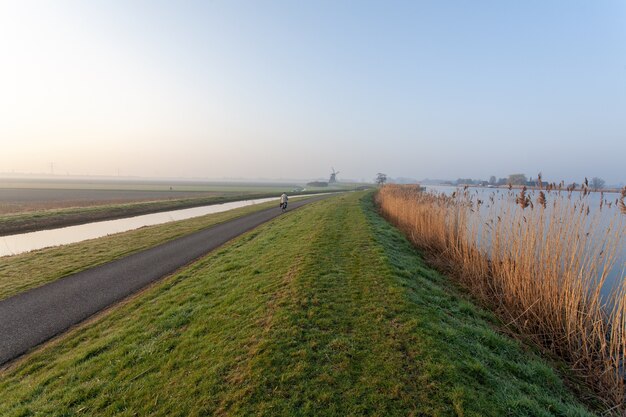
(495, 201)
(25, 242)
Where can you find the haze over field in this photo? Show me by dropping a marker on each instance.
(276, 89)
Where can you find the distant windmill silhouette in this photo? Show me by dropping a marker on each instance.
(333, 176)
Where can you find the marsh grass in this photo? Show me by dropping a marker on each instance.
(541, 260)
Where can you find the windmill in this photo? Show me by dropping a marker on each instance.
(333, 176)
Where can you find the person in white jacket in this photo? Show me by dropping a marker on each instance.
(283, 201)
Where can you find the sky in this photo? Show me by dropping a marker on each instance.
(288, 89)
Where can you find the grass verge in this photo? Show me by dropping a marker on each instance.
(48, 219)
(549, 269)
(324, 311)
(22, 272)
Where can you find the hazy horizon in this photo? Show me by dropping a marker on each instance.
(288, 90)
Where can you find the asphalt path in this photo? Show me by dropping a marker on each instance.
(35, 316)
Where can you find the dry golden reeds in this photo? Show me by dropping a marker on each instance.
(542, 199)
(542, 270)
(522, 199)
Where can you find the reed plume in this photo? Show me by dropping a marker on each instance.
(542, 199)
(522, 199)
(541, 270)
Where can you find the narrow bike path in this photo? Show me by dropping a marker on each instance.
(35, 316)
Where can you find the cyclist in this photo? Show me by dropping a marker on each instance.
(283, 202)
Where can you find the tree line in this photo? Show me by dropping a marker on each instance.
(595, 183)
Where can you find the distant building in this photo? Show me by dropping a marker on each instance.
(535, 183)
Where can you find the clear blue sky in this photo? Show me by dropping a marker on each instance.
(271, 89)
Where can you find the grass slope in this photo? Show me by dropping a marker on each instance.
(54, 218)
(324, 311)
(29, 221)
(21, 272)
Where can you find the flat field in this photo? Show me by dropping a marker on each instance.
(27, 206)
(22, 272)
(325, 311)
(33, 195)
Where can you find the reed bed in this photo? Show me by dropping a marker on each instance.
(540, 259)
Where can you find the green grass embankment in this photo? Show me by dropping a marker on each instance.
(325, 311)
(48, 219)
(21, 272)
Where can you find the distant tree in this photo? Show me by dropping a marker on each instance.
(492, 180)
(381, 178)
(597, 183)
(501, 181)
(517, 179)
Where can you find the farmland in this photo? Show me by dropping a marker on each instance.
(35, 205)
(21, 272)
(327, 310)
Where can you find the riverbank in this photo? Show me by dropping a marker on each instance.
(28, 270)
(542, 262)
(51, 219)
(325, 311)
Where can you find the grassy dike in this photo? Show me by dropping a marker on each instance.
(28, 270)
(49, 219)
(325, 311)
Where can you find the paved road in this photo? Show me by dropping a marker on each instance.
(37, 315)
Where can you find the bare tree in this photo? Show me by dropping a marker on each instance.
(517, 179)
(492, 180)
(597, 183)
(381, 178)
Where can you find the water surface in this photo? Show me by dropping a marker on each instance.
(26, 242)
(504, 198)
